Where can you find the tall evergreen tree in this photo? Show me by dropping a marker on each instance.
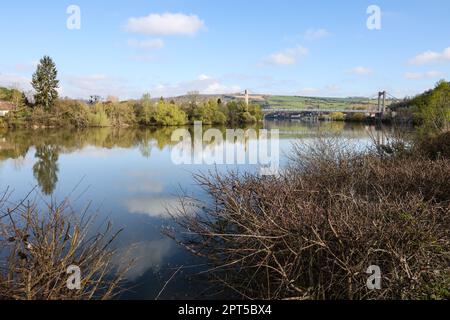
(45, 83)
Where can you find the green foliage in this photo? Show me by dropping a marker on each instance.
(143, 112)
(234, 110)
(120, 114)
(40, 117)
(168, 114)
(71, 113)
(207, 112)
(247, 117)
(255, 111)
(46, 168)
(12, 95)
(18, 118)
(433, 109)
(219, 118)
(435, 147)
(240, 113)
(358, 117)
(45, 83)
(337, 116)
(99, 119)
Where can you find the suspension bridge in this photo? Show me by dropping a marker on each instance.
(378, 110)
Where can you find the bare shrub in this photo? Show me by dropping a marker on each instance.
(437, 146)
(38, 246)
(312, 232)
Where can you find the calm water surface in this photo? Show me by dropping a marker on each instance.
(129, 178)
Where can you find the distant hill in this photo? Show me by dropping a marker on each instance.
(290, 102)
(298, 102)
(8, 94)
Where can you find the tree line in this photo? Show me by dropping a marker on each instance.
(47, 109)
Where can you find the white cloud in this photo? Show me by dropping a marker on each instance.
(16, 81)
(203, 77)
(218, 88)
(423, 75)
(157, 206)
(83, 86)
(26, 67)
(286, 57)
(146, 44)
(431, 56)
(315, 34)
(166, 24)
(203, 83)
(153, 207)
(361, 71)
(146, 255)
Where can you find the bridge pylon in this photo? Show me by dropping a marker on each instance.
(382, 102)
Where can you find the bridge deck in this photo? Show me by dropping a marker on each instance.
(298, 111)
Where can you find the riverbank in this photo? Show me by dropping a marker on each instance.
(336, 223)
(330, 219)
(75, 114)
(144, 112)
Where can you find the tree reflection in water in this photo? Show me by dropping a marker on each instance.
(50, 143)
(46, 168)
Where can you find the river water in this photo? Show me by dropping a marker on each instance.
(130, 179)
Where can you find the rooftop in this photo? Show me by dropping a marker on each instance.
(4, 105)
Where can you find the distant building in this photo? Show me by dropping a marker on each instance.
(6, 107)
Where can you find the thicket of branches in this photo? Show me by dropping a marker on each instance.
(313, 231)
(38, 246)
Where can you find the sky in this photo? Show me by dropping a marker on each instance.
(169, 47)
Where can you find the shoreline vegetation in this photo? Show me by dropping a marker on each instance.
(318, 229)
(69, 113)
(313, 231)
(134, 114)
(44, 109)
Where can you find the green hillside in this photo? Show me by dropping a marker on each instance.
(296, 102)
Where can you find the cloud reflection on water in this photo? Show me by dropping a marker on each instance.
(147, 255)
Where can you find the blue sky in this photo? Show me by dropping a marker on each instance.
(169, 47)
